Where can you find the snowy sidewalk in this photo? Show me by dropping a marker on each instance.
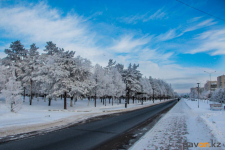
(179, 126)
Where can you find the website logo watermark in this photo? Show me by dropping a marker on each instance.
(202, 144)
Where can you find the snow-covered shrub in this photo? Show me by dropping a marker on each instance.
(218, 95)
(12, 93)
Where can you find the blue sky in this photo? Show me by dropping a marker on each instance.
(168, 39)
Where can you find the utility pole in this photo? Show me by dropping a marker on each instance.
(198, 94)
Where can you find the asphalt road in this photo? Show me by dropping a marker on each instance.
(87, 136)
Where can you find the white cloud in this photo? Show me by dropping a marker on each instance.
(168, 35)
(202, 24)
(212, 41)
(40, 23)
(173, 33)
(181, 78)
(159, 14)
(194, 19)
(154, 55)
(132, 19)
(128, 43)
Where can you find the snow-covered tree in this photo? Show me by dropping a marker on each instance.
(205, 94)
(15, 53)
(51, 48)
(12, 93)
(118, 84)
(131, 77)
(58, 72)
(218, 95)
(29, 67)
(146, 88)
(81, 77)
(5, 73)
(100, 83)
(193, 94)
(62, 74)
(153, 85)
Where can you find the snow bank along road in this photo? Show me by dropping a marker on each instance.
(90, 135)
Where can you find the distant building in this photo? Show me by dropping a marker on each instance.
(213, 85)
(194, 92)
(195, 89)
(221, 81)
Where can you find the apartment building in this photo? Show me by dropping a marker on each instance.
(221, 81)
(213, 85)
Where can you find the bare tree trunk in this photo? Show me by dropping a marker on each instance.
(112, 100)
(44, 97)
(75, 100)
(128, 99)
(12, 110)
(71, 102)
(133, 99)
(105, 101)
(88, 100)
(38, 97)
(49, 101)
(24, 94)
(30, 91)
(65, 101)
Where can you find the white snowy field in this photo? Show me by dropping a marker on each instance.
(39, 115)
(185, 122)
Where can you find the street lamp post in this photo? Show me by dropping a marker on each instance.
(210, 82)
(198, 94)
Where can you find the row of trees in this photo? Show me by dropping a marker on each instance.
(58, 73)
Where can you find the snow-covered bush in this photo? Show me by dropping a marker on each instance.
(218, 95)
(12, 93)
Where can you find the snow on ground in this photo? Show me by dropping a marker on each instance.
(213, 119)
(184, 123)
(39, 115)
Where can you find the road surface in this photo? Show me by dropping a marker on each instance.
(87, 136)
